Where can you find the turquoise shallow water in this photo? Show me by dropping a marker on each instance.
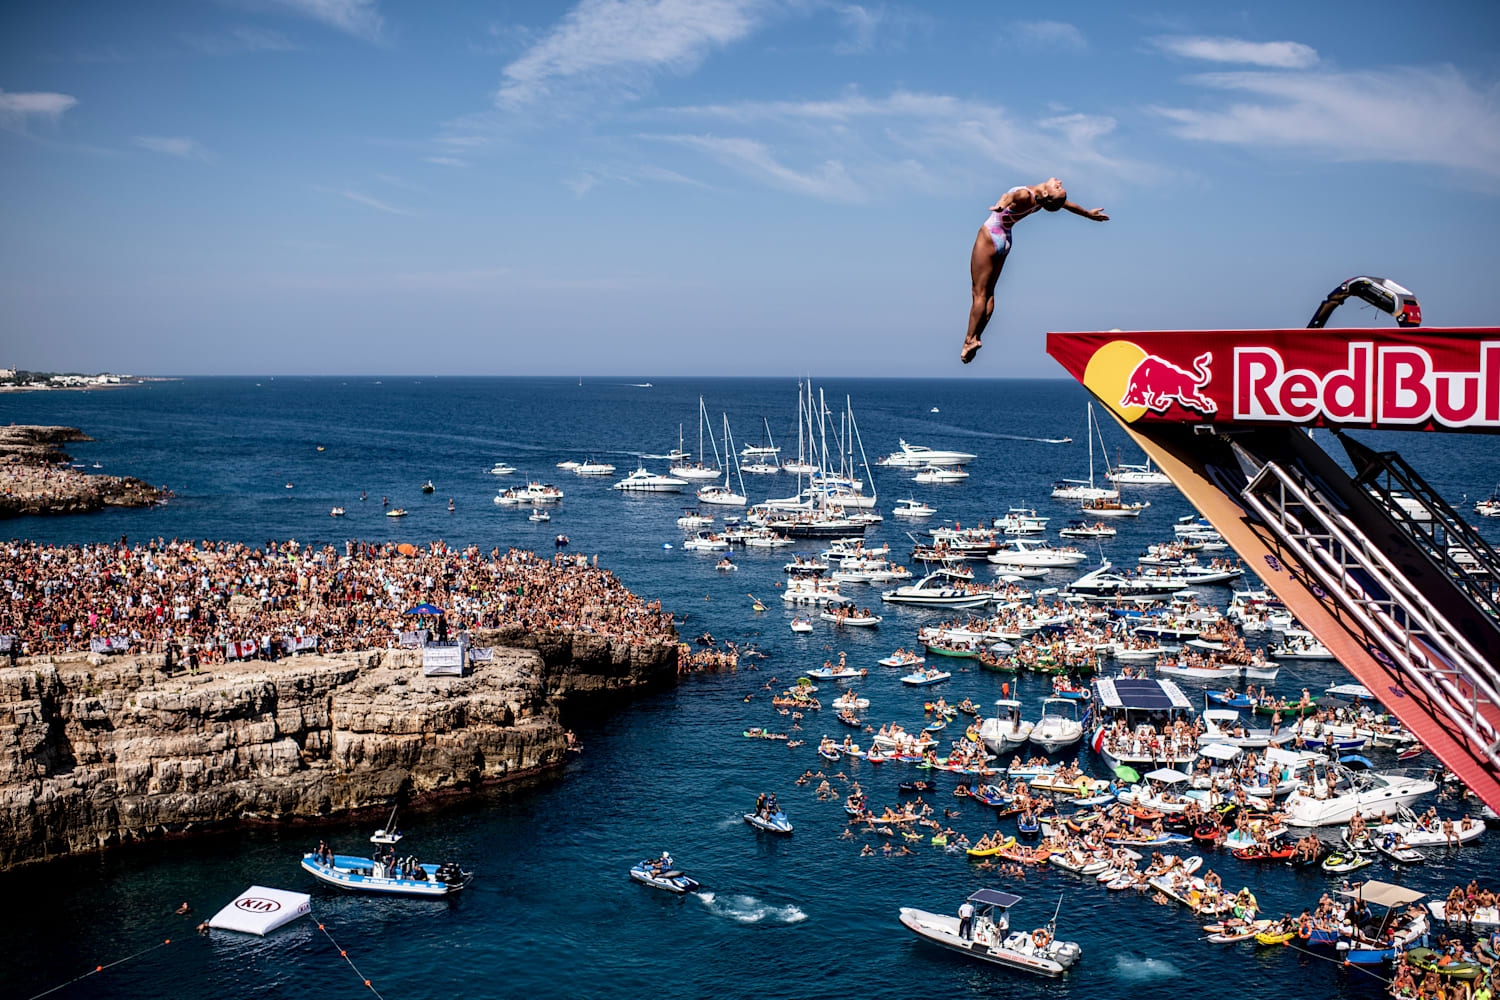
(552, 913)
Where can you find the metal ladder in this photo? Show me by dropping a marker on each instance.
(1413, 635)
(1387, 473)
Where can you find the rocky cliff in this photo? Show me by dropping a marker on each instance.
(97, 751)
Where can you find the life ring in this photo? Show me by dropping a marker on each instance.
(1039, 938)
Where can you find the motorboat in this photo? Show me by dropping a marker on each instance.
(861, 619)
(641, 481)
(1059, 725)
(1021, 521)
(937, 590)
(811, 590)
(693, 519)
(1294, 647)
(940, 474)
(660, 873)
(1006, 730)
(539, 515)
(1083, 529)
(706, 541)
(501, 469)
(1224, 725)
(1029, 552)
(990, 939)
(915, 456)
(923, 677)
(913, 508)
(593, 468)
(1411, 829)
(1331, 798)
(569, 464)
(1140, 701)
(386, 874)
(1103, 585)
(336, 512)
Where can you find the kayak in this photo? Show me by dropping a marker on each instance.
(669, 879)
(777, 823)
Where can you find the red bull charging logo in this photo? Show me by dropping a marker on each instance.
(1157, 383)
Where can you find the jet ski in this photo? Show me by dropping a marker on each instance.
(660, 874)
(776, 822)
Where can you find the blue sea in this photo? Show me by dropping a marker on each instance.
(552, 912)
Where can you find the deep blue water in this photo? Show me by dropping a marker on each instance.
(552, 912)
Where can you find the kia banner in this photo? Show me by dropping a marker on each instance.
(1395, 380)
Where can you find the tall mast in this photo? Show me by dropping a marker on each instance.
(862, 456)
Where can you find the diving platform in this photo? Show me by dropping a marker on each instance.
(1373, 562)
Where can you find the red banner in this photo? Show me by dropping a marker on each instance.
(1431, 378)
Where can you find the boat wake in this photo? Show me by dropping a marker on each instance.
(1136, 970)
(749, 910)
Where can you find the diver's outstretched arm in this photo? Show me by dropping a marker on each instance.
(1096, 214)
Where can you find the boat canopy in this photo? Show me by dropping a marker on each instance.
(1218, 751)
(1168, 775)
(994, 897)
(1142, 694)
(1383, 894)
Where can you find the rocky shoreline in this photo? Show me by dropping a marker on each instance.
(99, 751)
(37, 479)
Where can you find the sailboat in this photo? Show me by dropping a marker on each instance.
(852, 495)
(1078, 489)
(802, 466)
(761, 459)
(698, 470)
(1136, 475)
(723, 495)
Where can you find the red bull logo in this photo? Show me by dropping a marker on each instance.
(1155, 383)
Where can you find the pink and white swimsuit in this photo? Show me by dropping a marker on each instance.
(999, 223)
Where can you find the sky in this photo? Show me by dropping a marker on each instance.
(720, 187)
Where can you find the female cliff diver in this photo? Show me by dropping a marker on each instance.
(993, 244)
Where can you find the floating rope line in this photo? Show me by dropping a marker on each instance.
(1337, 961)
(100, 968)
(345, 956)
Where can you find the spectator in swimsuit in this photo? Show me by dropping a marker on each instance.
(992, 245)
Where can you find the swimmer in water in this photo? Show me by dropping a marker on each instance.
(992, 245)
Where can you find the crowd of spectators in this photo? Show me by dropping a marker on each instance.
(192, 599)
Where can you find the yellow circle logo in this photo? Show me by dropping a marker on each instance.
(1108, 376)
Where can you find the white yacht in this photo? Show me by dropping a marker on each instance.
(501, 469)
(641, 481)
(1021, 521)
(1029, 552)
(940, 474)
(1059, 725)
(593, 468)
(760, 468)
(1006, 730)
(532, 492)
(938, 590)
(1339, 793)
(1102, 585)
(912, 507)
(915, 456)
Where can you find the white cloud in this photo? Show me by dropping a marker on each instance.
(623, 42)
(929, 142)
(240, 39)
(1401, 115)
(1055, 34)
(446, 161)
(861, 23)
(581, 185)
(375, 203)
(187, 149)
(830, 180)
(1275, 55)
(360, 18)
(17, 109)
